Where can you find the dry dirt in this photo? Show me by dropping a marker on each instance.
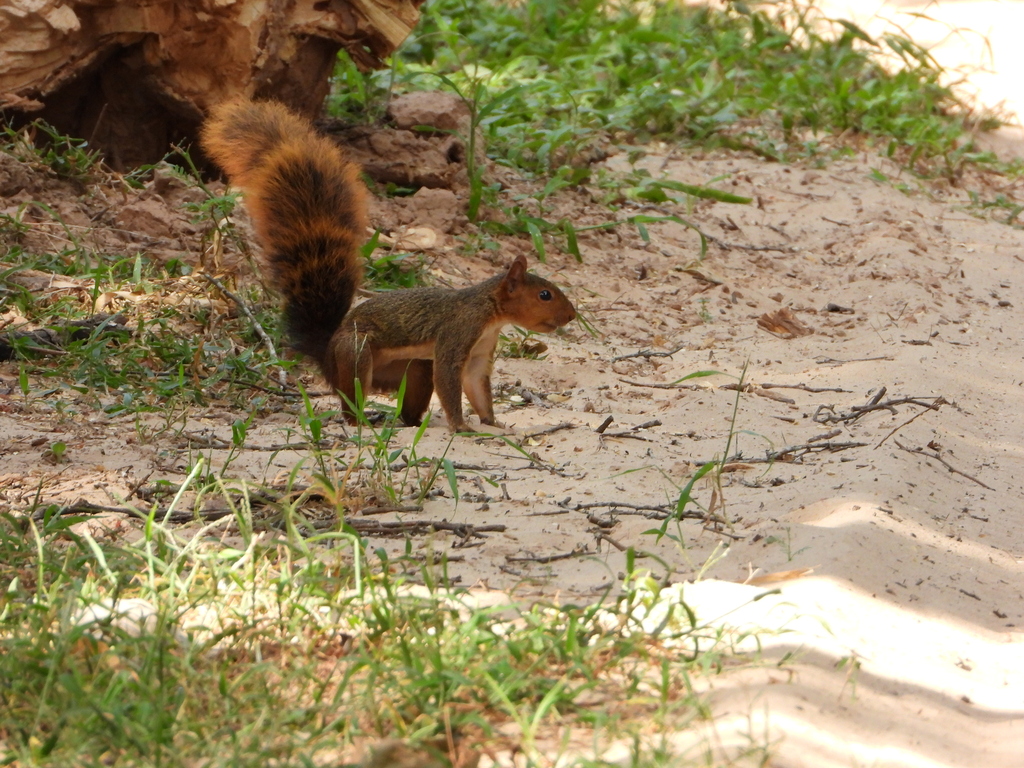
(900, 531)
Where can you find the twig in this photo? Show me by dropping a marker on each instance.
(944, 463)
(132, 490)
(51, 340)
(638, 427)
(42, 351)
(303, 446)
(724, 244)
(826, 436)
(547, 558)
(217, 443)
(88, 508)
(825, 414)
(804, 387)
(769, 395)
(602, 536)
(267, 341)
(289, 392)
(733, 536)
(874, 399)
(413, 527)
(936, 404)
(790, 453)
(367, 511)
(601, 523)
(81, 508)
(259, 494)
(794, 452)
(531, 397)
(631, 432)
(649, 511)
(654, 385)
(833, 361)
(435, 558)
(604, 424)
(648, 354)
(549, 430)
(206, 441)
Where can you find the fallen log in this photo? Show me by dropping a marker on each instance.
(134, 77)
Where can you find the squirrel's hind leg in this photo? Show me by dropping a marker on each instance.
(419, 386)
(349, 361)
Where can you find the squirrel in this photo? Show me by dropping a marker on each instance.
(309, 207)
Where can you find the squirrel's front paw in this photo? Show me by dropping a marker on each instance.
(495, 426)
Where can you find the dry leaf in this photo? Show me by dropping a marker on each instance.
(775, 578)
(703, 272)
(412, 239)
(784, 324)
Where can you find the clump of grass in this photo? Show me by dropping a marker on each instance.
(295, 650)
(391, 269)
(163, 355)
(67, 156)
(778, 79)
(518, 343)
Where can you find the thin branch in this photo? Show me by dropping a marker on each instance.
(367, 511)
(631, 432)
(646, 353)
(944, 463)
(602, 536)
(825, 414)
(804, 387)
(549, 430)
(531, 397)
(267, 341)
(654, 385)
(649, 511)
(578, 552)
(833, 361)
(413, 527)
(789, 453)
(940, 401)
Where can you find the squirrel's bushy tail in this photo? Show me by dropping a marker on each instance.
(309, 207)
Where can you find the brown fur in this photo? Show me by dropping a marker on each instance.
(310, 212)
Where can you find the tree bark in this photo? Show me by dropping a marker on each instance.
(134, 77)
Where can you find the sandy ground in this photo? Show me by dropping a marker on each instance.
(898, 532)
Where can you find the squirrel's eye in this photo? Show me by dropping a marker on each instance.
(545, 295)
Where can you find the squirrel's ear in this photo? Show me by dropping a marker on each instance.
(516, 270)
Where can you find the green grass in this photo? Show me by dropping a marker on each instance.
(165, 353)
(553, 86)
(778, 79)
(68, 157)
(179, 343)
(297, 649)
